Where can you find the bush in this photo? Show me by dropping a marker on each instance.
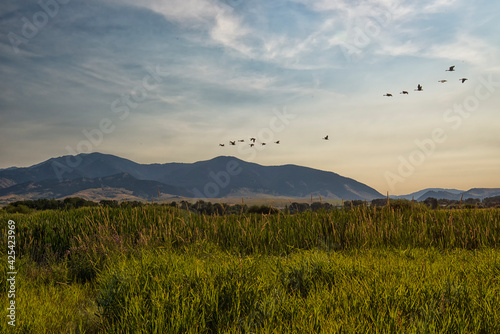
(355, 203)
(321, 206)
(18, 209)
(109, 203)
(400, 204)
(263, 209)
(491, 202)
(379, 202)
(431, 202)
(298, 207)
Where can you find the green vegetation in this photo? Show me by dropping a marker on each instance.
(287, 206)
(165, 269)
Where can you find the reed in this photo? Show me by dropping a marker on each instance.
(163, 269)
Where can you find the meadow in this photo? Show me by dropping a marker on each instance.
(163, 269)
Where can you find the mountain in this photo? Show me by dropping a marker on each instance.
(451, 194)
(74, 167)
(439, 194)
(421, 193)
(122, 181)
(480, 193)
(219, 177)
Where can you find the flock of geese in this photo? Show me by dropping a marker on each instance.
(419, 86)
(404, 92)
(252, 142)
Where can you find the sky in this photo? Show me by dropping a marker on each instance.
(169, 81)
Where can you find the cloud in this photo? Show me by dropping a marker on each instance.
(224, 26)
(465, 47)
(438, 6)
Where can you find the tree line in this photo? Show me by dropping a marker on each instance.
(203, 207)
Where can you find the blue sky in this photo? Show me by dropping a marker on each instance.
(168, 81)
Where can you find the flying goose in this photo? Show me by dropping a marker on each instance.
(388, 94)
(463, 79)
(451, 69)
(325, 138)
(442, 81)
(419, 88)
(277, 142)
(221, 144)
(232, 142)
(404, 92)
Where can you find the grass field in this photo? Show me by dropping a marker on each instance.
(159, 269)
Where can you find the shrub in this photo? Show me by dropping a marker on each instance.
(431, 202)
(18, 209)
(400, 204)
(263, 209)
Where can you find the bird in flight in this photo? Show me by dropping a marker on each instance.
(221, 144)
(241, 140)
(463, 79)
(451, 69)
(252, 140)
(325, 138)
(277, 142)
(388, 94)
(232, 142)
(419, 88)
(251, 145)
(263, 144)
(404, 92)
(442, 81)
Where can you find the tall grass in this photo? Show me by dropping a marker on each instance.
(100, 230)
(158, 269)
(209, 291)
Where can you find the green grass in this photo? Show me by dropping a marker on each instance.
(164, 270)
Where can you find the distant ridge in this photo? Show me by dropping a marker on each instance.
(453, 194)
(440, 194)
(421, 193)
(223, 176)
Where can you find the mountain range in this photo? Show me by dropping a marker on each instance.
(97, 176)
(451, 194)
